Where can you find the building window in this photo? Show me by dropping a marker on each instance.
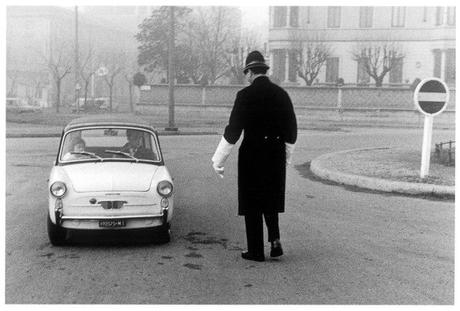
(293, 65)
(396, 72)
(366, 13)
(451, 16)
(279, 64)
(280, 16)
(425, 14)
(439, 15)
(437, 63)
(450, 66)
(294, 16)
(308, 9)
(398, 16)
(333, 17)
(332, 69)
(363, 77)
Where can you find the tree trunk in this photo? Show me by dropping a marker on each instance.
(86, 91)
(110, 98)
(131, 106)
(378, 82)
(58, 95)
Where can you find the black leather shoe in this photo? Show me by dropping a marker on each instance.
(276, 250)
(249, 256)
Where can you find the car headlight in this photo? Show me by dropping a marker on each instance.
(58, 189)
(165, 188)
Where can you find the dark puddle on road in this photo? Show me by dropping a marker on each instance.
(47, 255)
(305, 172)
(201, 238)
(194, 255)
(193, 266)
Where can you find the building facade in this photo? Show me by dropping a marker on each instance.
(424, 35)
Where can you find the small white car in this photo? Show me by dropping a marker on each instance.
(109, 174)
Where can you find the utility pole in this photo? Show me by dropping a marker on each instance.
(77, 63)
(171, 70)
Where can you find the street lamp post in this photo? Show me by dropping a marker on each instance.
(77, 65)
(171, 125)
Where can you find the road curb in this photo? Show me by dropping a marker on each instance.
(319, 168)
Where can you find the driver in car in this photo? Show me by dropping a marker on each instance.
(134, 146)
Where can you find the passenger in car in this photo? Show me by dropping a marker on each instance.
(79, 145)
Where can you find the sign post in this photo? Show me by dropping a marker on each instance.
(430, 97)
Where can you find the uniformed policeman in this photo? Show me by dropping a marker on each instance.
(265, 112)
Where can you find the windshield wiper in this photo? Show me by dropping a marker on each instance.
(122, 153)
(91, 154)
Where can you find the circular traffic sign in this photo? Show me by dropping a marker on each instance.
(102, 71)
(431, 96)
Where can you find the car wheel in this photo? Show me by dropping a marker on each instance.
(164, 236)
(56, 234)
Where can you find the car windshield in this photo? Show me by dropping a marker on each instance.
(114, 143)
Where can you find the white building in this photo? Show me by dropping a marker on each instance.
(426, 35)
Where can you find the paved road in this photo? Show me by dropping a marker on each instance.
(342, 246)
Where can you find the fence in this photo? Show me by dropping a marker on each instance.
(324, 97)
(445, 156)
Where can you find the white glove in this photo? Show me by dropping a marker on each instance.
(220, 156)
(289, 151)
(219, 170)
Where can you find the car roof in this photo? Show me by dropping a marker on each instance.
(109, 120)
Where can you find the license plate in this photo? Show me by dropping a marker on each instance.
(112, 223)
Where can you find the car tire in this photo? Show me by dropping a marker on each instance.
(164, 236)
(56, 234)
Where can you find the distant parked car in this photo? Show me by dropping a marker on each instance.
(98, 104)
(17, 104)
(109, 174)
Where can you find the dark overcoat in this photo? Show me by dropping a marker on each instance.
(265, 113)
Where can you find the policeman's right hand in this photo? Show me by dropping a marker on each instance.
(219, 170)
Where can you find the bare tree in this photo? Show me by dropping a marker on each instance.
(58, 63)
(312, 54)
(378, 59)
(129, 71)
(213, 32)
(237, 55)
(129, 79)
(236, 63)
(114, 62)
(87, 71)
(13, 77)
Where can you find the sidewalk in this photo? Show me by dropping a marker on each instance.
(385, 169)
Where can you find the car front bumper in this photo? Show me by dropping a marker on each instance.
(130, 221)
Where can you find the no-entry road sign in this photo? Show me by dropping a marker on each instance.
(431, 96)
